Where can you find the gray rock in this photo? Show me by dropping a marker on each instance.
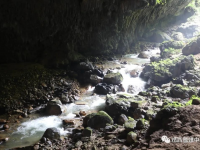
(143, 55)
(52, 133)
(131, 137)
(97, 120)
(179, 91)
(140, 124)
(122, 119)
(113, 78)
(161, 72)
(192, 48)
(95, 79)
(85, 66)
(121, 103)
(53, 108)
(87, 132)
(103, 88)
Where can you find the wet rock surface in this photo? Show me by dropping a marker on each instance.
(113, 78)
(163, 71)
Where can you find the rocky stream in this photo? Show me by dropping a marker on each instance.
(117, 102)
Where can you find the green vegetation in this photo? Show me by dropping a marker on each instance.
(161, 2)
(173, 104)
(130, 124)
(103, 113)
(163, 67)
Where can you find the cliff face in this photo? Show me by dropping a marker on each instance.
(47, 30)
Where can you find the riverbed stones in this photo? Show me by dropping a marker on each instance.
(52, 133)
(97, 120)
(113, 78)
(53, 108)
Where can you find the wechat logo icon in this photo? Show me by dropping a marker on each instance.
(165, 139)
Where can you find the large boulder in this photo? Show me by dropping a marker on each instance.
(113, 78)
(52, 134)
(192, 48)
(123, 103)
(170, 48)
(97, 120)
(85, 66)
(190, 78)
(95, 79)
(103, 88)
(53, 108)
(179, 91)
(163, 71)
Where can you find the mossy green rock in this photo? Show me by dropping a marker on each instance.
(113, 78)
(131, 137)
(97, 120)
(122, 103)
(171, 48)
(179, 91)
(130, 124)
(163, 71)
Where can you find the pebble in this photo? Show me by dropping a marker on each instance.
(82, 113)
(68, 122)
(2, 121)
(6, 126)
(36, 147)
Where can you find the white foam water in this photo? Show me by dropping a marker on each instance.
(32, 127)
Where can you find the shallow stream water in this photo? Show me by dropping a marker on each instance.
(31, 129)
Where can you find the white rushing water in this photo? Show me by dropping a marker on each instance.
(29, 132)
